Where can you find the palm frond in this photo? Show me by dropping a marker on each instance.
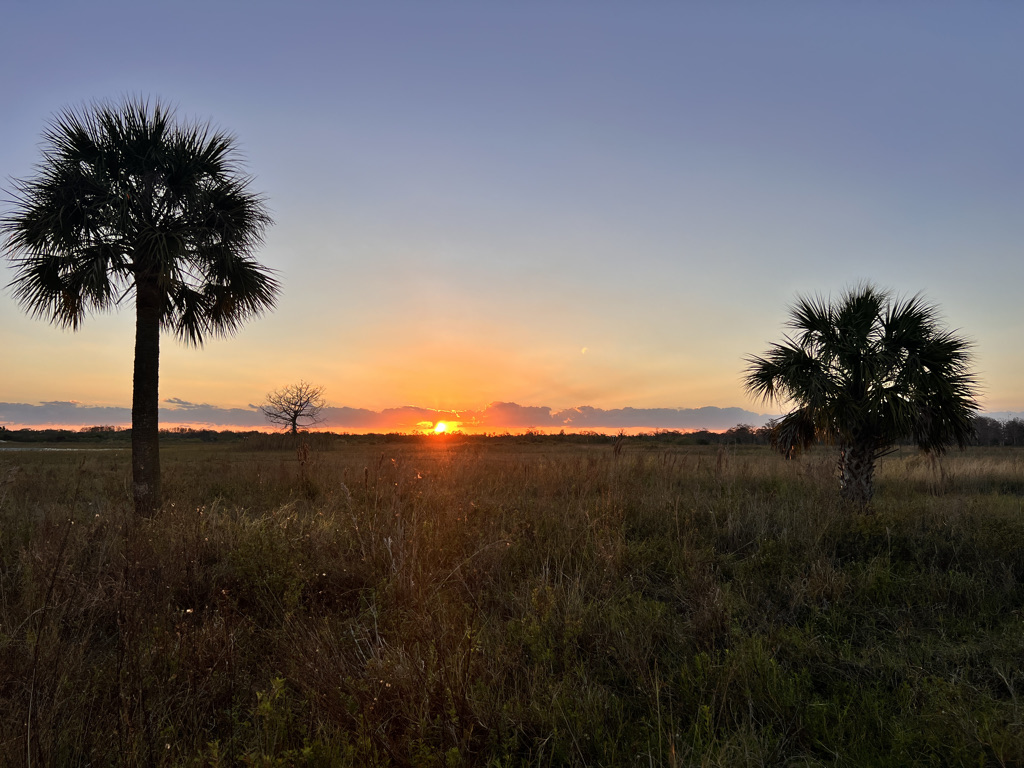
(794, 432)
(125, 191)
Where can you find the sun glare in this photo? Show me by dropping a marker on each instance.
(440, 427)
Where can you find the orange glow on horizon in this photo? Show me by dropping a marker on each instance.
(451, 428)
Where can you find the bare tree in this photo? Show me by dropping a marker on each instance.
(295, 406)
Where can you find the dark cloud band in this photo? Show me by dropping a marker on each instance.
(496, 416)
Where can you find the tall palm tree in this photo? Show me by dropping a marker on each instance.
(865, 372)
(129, 203)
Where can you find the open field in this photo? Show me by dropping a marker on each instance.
(506, 603)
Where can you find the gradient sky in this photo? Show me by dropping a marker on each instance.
(553, 204)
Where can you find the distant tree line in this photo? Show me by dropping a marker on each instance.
(742, 434)
(989, 432)
(105, 434)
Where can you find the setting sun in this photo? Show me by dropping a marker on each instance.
(440, 427)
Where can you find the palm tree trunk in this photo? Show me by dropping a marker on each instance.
(857, 472)
(146, 399)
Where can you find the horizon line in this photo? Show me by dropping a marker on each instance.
(498, 416)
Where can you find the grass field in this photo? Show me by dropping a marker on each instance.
(507, 603)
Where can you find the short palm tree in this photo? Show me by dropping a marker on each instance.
(129, 203)
(865, 372)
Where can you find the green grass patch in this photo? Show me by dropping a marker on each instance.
(504, 603)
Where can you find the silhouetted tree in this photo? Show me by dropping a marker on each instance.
(988, 431)
(741, 434)
(1013, 431)
(128, 203)
(865, 372)
(295, 406)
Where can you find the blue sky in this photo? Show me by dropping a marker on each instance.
(554, 204)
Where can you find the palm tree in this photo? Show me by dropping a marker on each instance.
(865, 372)
(129, 203)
